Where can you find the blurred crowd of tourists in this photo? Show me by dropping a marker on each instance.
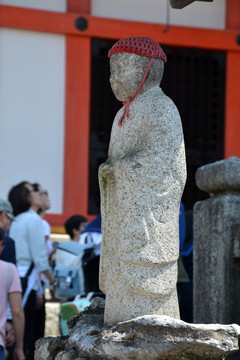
(30, 263)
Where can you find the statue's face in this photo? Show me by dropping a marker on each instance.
(123, 79)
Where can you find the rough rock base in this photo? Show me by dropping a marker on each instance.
(149, 337)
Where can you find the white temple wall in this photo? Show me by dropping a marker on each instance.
(49, 5)
(198, 14)
(32, 90)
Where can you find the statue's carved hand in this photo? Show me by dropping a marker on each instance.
(105, 170)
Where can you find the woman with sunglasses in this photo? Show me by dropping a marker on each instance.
(31, 255)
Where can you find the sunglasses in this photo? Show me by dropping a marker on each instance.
(41, 193)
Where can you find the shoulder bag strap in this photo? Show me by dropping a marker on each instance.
(30, 269)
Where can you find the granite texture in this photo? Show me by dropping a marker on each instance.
(216, 244)
(141, 185)
(219, 177)
(216, 271)
(49, 347)
(149, 337)
(127, 71)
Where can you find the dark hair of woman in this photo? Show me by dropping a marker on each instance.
(36, 187)
(19, 198)
(2, 234)
(73, 223)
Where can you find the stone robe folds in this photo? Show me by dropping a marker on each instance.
(141, 185)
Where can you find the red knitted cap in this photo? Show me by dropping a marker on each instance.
(144, 46)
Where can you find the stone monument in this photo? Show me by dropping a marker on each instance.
(141, 185)
(216, 244)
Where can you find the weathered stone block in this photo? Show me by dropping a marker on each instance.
(216, 244)
(149, 337)
(236, 241)
(221, 176)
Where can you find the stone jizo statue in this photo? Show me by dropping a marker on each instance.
(141, 186)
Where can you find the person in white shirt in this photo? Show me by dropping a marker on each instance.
(42, 280)
(27, 232)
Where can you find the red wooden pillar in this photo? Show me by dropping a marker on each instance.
(232, 116)
(80, 6)
(77, 118)
(233, 14)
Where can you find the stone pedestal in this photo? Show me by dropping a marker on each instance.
(151, 337)
(217, 244)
